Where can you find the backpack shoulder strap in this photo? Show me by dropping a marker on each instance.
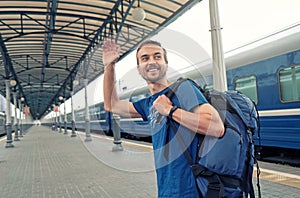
(172, 89)
(171, 92)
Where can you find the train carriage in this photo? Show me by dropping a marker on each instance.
(2, 124)
(268, 71)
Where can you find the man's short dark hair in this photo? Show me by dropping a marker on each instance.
(151, 42)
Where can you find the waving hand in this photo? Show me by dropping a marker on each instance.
(110, 52)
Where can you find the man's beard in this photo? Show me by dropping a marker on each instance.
(154, 66)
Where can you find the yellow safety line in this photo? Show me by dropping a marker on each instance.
(278, 177)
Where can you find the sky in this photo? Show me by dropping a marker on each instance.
(242, 21)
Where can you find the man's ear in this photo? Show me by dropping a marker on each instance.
(138, 68)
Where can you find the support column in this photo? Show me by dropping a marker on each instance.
(56, 121)
(65, 117)
(87, 114)
(8, 117)
(73, 116)
(219, 69)
(20, 118)
(59, 118)
(15, 118)
(25, 121)
(117, 134)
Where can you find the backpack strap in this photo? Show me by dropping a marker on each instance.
(171, 92)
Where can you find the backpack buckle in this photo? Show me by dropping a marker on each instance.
(214, 186)
(199, 170)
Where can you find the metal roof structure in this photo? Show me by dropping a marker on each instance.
(46, 44)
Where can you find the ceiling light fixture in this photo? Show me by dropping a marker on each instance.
(13, 82)
(139, 13)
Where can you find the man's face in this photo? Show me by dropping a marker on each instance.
(152, 64)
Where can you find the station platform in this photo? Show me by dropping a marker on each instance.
(47, 163)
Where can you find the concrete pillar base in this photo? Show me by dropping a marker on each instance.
(117, 147)
(88, 139)
(9, 145)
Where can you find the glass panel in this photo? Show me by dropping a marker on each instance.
(248, 86)
(289, 81)
(208, 87)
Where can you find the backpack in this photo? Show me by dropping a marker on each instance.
(224, 166)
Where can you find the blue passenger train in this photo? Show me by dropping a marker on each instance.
(267, 70)
(2, 124)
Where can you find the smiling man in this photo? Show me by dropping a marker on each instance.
(189, 110)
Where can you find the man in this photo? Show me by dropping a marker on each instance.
(189, 111)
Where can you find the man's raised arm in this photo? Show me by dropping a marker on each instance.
(111, 99)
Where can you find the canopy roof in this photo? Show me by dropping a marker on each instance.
(47, 44)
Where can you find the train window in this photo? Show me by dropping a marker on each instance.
(135, 98)
(289, 82)
(208, 87)
(248, 86)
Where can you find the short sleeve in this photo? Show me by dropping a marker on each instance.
(141, 107)
(189, 96)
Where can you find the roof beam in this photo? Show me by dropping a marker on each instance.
(9, 70)
(108, 28)
(50, 25)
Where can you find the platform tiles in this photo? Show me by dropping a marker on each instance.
(50, 164)
(47, 163)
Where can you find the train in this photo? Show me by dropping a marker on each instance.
(266, 70)
(2, 124)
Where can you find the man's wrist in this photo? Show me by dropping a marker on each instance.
(173, 109)
(109, 66)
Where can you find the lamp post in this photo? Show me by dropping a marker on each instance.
(15, 117)
(55, 110)
(21, 115)
(65, 115)
(87, 114)
(74, 83)
(59, 113)
(8, 127)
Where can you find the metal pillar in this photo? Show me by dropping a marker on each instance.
(117, 134)
(8, 117)
(219, 69)
(15, 118)
(56, 121)
(59, 118)
(65, 117)
(73, 116)
(87, 114)
(53, 123)
(25, 120)
(20, 118)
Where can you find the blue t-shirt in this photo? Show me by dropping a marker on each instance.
(174, 175)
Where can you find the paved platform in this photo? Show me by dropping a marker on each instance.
(50, 164)
(47, 163)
